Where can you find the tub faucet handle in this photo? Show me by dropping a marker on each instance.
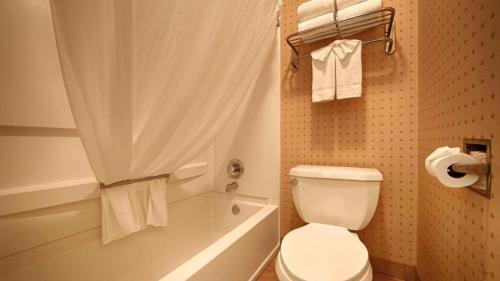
(232, 186)
(235, 169)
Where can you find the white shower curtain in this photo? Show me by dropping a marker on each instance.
(150, 82)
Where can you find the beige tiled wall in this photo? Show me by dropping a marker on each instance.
(377, 130)
(459, 71)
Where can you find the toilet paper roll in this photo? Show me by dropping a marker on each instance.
(438, 153)
(440, 169)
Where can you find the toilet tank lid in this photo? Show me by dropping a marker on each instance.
(334, 172)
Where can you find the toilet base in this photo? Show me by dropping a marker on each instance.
(284, 276)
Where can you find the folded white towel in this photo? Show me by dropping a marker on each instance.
(323, 72)
(351, 11)
(317, 21)
(358, 9)
(438, 153)
(348, 68)
(337, 71)
(130, 208)
(314, 8)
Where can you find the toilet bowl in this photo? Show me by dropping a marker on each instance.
(322, 252)
(333, 201)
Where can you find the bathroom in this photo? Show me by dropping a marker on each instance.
(195, 140)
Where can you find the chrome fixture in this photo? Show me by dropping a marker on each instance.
(235, 169)
(232, 186)
(235, 209)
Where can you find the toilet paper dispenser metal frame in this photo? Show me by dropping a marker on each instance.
(483, 185)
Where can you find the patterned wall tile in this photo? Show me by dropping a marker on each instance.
(459, 69)
(377, 130)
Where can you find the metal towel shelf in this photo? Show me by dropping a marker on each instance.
(339, 29)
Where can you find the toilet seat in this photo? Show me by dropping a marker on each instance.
(322, 252)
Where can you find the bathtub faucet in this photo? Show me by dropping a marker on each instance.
(232, 186)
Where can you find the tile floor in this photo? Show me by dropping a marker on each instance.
(270, 275)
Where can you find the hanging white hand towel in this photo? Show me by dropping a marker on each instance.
(348, 68)
(323, 72)
(130, 208)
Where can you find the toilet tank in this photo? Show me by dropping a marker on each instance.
(341, 196)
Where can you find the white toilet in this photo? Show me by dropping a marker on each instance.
(332, 200)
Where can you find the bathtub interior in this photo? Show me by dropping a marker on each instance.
(194, 224)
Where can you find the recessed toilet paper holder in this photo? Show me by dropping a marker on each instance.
(481, 150)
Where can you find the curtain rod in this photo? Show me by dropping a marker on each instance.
(165, 176)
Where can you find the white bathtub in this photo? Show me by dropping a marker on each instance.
(240, 245)
(204, 241)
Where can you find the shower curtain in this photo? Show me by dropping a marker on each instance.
(150, 82)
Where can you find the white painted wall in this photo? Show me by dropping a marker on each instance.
(33, 103)
(31, 85)
(253, 136)
(30, 160)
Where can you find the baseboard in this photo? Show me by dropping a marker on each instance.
(394, 269)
